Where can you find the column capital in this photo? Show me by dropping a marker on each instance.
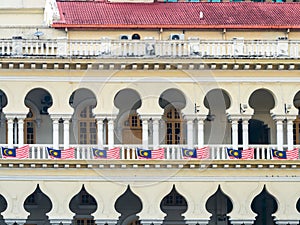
(201, 117)
(246, 117)
(106, 116)
(197, 221)
(13, 221)
(242, 222)
(15, 115)
(234, 117)
(190, 117)
(291, 117)
(278, 117)
(151, 221)
(285, 222)
(60, 221)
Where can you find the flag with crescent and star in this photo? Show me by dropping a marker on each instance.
(113, 153)
(234, 153)
(61, 154)
(17, 153)
(189, 153)
(150, 154)
(288, 154)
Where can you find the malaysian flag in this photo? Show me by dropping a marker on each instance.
(288, 154)
(113, 153)
(234, 153)
(18, 153)
(61, 154)
(248, 153)
(195, 153)
(202, 153)
(150, 154)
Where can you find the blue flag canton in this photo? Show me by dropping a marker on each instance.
(235, 153)
(191, 153)
(54, 153)
(279, 154)
(145, 153)
(10, 152)
(99, 153)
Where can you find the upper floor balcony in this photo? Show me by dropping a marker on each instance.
(192, 48)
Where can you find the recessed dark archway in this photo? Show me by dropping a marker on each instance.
(219, 205)
(3, 207)
(264, 205)
(83, 205)
(217, 127)
(3, 103)
(128, 126)
(135, 37)
(174, 205)
(38, 205)
(128, 205)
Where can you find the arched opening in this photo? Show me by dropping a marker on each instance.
(173, 101)
(217, 127)
(38, 119)
(38, 204)
(3, 125)
(264, 205)
(83, 205)
(135, 37)
(83, 120)
(3, 207)
(128, 205)
(174, 205)
(128, 125)
(219, 205)
(296, 125)
(261, 125)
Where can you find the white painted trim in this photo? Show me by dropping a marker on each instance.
(49, 78)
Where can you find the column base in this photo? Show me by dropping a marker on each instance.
(197, 221)
(12, 221)
(285, 222)
(60, 221)
(106, 221)
(151, 221)
(241, 222)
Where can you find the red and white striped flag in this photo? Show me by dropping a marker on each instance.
(158, 153)
(113, 153)
(18, 153)
(292, 154)
(248, 153)
(68, 153)
(203, 153)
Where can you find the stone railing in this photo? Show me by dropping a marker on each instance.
(106, 48)
(172, 152)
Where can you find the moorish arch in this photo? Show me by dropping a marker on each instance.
(173, 101)
(38, 205)
(128, 205)
(3, 207)
(219, 205)
(38, 120)
(264, 205)
(128, 125)
(83, 125)
(83, 205)
(217, 126)
(3, 103)
(262, 126)
(174, 205)
(298, 205)
(296, 125)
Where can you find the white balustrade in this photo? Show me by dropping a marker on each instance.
(172, 152)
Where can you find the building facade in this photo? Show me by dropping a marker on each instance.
(171, 75)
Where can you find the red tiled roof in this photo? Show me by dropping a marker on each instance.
(182, 15)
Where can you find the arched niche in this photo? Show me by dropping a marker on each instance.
(264, 205)
(296, 131)
(217, 126)
(173, 101)
(83, 124)
(83, 205)
(219, 205)
(38, 204)
(128, 125)
(262, 101)
(3, 207)
(38, 120)
(128, 205)
(174, 205)
(3, 103)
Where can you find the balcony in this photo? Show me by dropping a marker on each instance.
(128, 152)
(106, 48)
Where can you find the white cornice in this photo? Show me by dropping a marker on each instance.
(156, 79)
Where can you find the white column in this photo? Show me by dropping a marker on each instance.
(21, 131)
(290, 137)
(190, 132)
(155, 124)
(279, 131)
(201, 131)
(234, 134)
(110, 133)
(10, 131)
(245, 128)
(100, 132)
(55, 133)
(145, 133)
(66, 133)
